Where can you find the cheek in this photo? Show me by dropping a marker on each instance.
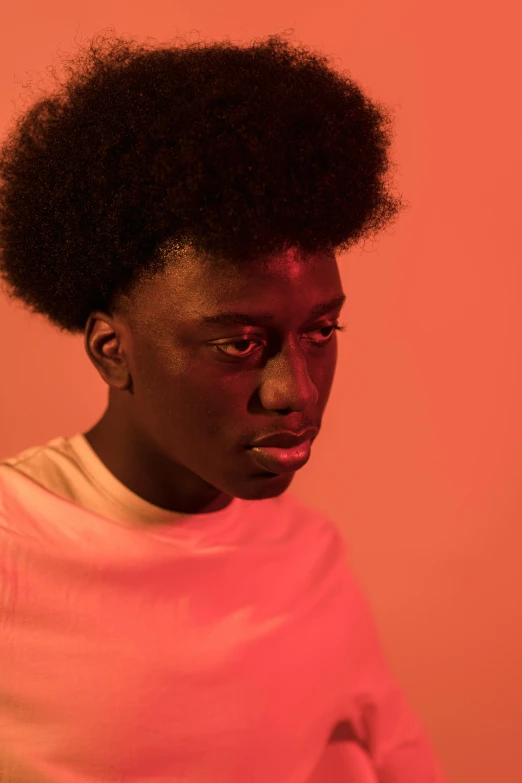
(216, 411)
(180, 397)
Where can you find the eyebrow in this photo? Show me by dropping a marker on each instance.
(245, 319)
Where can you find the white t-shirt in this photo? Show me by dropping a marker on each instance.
(139, 645)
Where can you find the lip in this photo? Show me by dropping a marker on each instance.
(285, 439)
(279, 460)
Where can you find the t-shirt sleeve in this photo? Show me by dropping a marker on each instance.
(378, 714)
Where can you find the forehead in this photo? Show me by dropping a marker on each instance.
(193, 287)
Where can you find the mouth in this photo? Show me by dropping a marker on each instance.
(280, 460)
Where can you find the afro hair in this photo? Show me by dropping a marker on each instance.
(237, 152)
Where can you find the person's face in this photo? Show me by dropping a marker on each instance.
(183, 405)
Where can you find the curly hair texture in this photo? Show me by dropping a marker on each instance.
(143, 151)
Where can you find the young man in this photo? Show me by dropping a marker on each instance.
(167, 611)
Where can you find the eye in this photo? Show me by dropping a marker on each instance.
(330, 327)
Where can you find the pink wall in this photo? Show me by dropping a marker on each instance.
(420, 456)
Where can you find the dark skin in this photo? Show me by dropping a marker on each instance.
(180, 412)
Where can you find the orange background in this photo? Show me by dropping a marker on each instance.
(419, 461)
